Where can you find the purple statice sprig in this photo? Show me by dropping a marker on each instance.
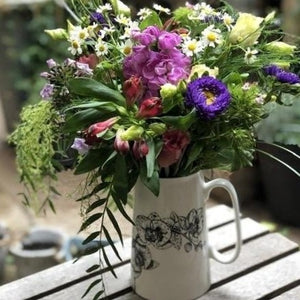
(209, 96)
(282, 75)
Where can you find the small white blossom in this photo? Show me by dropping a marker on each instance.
(107, 31)
(162, 9)
(122, 19)
(250, 56)
(191, 46)
(228, 21)
(144, 13)
(212, 36)
(104, 8)
(101, 48)
(78, 33)
(126, 48)
(128, 29)
(246, 86)
(260, 99)
(75, 47)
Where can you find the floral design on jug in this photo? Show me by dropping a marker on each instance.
(163, 233)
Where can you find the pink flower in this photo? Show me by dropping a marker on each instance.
(91, 134)
(150, 108)
(91, 60)
(140, 149)
(175, 142)
(120, 145)
(168, 40)
(133, 90)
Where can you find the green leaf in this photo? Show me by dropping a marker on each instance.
(152, 19)
(92, 88)
(93, 284)
(109, 266)
(90, 220)
(111, 242)
(98, 295)
(150, 158)
(91, 237)
(107, 106)
(96, 204)
(181, 122)
(120, 179)
(51, 206)
(93, 268)
(115, 224)
(194, 153)
(93, 159)
(97, 189)
(151, 183)
(54, 190)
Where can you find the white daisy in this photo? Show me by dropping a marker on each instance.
(104, 8)
(162, 9)
(122, 19)
(250, 56)
(144, 13)
(228, 20)
(101, 48)
(78, 33)
(212, 36)
(128, 29)
(191, 46)
(107, 31)
(126, 48)
(75, 47)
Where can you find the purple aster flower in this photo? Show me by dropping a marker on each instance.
(80, 145)
(209, 96)
(282, 75)
(47, 91)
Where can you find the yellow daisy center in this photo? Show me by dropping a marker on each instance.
(192, 46)
(101, 48)
(75, 45)
(211, 37)
(82, 35)
(127, 50)
(210, 97)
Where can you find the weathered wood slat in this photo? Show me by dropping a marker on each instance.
(260, 283)
(250, 229)
(68, 272)
(293, 294)
(267, 249)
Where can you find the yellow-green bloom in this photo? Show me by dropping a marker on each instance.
(168, 90)
(57, 34)
(199, 70)
(158, 128)
(280, 48)
(134, 132)
(246, 31)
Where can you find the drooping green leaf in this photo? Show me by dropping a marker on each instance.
(93, 268)
(109, 266)
(181, 122)
(92, 88)
(93, 159)
(115, 224)
(98, 295)
(96, 204)
(101, 186)
(111, 242)
(93, 284)
(107, 106)
(194, 153)
(91, 237)
(151, 183)
(150, 158)
(90, 220)
(152, 19)
(120, 179)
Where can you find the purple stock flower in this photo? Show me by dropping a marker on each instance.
(209, 96)
(47, 91)
(147, 37)
(282, 75)
(168, 40)
(80, 145)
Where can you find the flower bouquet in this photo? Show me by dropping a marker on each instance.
(162, 94)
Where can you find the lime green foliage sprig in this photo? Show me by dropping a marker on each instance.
(34, 139)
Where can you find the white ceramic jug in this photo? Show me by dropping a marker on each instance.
(171, 252)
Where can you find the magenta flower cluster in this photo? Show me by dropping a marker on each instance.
(156, 59)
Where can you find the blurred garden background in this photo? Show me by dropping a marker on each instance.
(24, 50)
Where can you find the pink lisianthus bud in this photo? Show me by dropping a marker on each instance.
(175, 142)
(140, 149)
(150, 108)
(133, 90)
(120, 145)
(91, 134)
(91, 60)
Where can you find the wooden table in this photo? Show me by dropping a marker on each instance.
(268, 268)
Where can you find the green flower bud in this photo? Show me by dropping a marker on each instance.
(57, 34)
(280, 48)
(273, 98)
(168, 90)
(120, 8)
(134, 132)
(158, 128)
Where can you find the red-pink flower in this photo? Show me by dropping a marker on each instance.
(150, 108)
(120, 145)
(91, 134)
(133, 90)
(175, 142)
(140, 149)
(91, 60)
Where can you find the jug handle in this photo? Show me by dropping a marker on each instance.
(213, 252)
